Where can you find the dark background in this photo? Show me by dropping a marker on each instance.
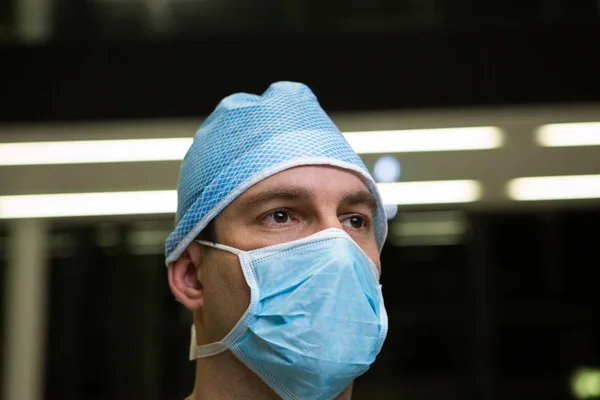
(107, 60)
(509, 312)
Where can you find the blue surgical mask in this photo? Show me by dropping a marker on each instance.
(316, 319)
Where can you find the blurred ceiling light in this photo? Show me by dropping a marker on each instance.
(93, 151)
(146, 242)
(554, 188)
(165, 201)
(386, 169)
(585, 383)
(567, 135)
(88, 204)
(174, 149)
(430, 192)
(430, 228)
(390, 211)
(418, 140)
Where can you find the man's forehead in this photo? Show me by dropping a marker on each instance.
(308, 183)
(314, 178)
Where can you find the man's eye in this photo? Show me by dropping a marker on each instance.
(279, 217)
(355, 221)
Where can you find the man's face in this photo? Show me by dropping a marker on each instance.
(287, 206)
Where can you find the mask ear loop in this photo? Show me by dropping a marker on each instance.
(215, 348)
(220, 247)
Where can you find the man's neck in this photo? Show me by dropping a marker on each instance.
(224, 377)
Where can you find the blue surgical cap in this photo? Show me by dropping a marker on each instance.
(248, 138)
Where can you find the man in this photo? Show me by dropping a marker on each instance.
(276, 251)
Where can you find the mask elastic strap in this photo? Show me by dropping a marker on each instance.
(207, 350)
(215, 348)
(220, 247)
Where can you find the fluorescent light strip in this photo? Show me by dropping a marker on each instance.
(420, 140)
(430, 192)
(429, 228)
(165, 201)
(93, 151)
(88, 204)
(554, 188)
(568, 135)
(174, 149)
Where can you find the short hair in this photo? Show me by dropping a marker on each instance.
(208, 234)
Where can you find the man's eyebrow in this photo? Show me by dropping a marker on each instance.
(360, 197)
(288, 193)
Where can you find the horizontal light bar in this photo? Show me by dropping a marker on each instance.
(429, 228)
(174, 149)
(93, 151)
(88, 204)
(437, 228)
(567, 135)
(165, 201)
(420, 140)
(431, 192)
(554, 188)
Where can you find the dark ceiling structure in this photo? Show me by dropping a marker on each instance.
(105, 60)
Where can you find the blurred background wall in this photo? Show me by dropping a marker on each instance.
(491, 280)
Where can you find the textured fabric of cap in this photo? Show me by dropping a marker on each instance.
(249, 138)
